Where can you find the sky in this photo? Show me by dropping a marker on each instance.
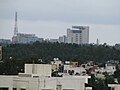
(51, 18)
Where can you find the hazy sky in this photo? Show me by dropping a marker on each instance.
(51, 18)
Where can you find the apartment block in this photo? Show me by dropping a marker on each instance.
(78, 35)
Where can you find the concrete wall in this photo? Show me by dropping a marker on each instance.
(25, 83)
(41, 83)
(75, 83)
(76, 69)
(6, 82)
(39, 69)
(115, 86)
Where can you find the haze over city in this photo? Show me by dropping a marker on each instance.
(51, 18)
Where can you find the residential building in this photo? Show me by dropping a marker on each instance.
(43, 83)
(35, 79)
(38, 69)
(114, 86)
(56, 63)
(6, 82)
(74, 70)
(110, 69)
(78, 35)
(53, 40)
(25, 38)
(63, 39)
(5, 41)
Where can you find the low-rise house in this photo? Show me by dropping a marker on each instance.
(38, 77)
(110, 69)
(74, 70)
(114, 86)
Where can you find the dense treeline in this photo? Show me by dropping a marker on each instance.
(47, 51)
(26, 53)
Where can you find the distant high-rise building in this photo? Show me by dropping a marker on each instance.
(97, 42)
(63, 39)
(78, 35)
(5, 41)
(26, 38)
(53, 40)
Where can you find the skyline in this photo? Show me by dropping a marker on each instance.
(50, 19)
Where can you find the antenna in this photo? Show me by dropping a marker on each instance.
(15, 28)
(15, 16)
(0, 52)
(97, 42)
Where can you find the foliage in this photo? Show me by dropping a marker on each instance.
(101, 84)
(117, 73)
(26, 53)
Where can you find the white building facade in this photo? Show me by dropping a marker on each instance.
(5, 41)
(38, 69)
(53, 40)
(25, 38)
(63, 39)
(114, 86)
(76, 70)
(43, 83)
(35, 79)
(78, 35)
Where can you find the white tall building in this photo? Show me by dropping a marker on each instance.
(63, 39)
(78, 35)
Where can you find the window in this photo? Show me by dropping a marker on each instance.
(76, 35)
(68, 89)
(22, 89)
(14, 88)
(59, 87)
(112, 88)
(4, 88)
(35, 76)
